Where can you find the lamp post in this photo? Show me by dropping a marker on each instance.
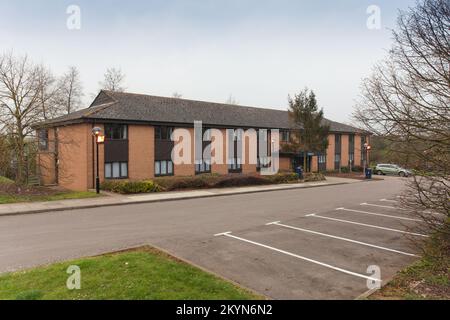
(367, 147)
(98, 139)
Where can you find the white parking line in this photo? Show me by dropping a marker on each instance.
(380, 206)
(379, 214)
(228, 234)
(277, 223)
(388, 200)
(366, 225)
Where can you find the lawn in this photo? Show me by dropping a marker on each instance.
(12, 198)
(140, 274)
(10, 192)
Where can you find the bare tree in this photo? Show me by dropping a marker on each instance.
(113, 80)
(232, 100)
(70, 91)
(23, 97)
(177, 95)
(407, 100)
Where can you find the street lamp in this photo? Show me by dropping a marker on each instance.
(96, 133)
(367, 148)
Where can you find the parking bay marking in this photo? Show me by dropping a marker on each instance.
(378, 214)
(277, 223)
(228, 234)
(388, 200)
(366, 225)
(380, 206)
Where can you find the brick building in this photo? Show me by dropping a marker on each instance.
(137, 145)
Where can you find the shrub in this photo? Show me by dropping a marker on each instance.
(314, 177)
(4, 180)
(127, 187)
(241, 180)
(189, 182)
(285, 177)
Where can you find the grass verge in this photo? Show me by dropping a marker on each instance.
(13, 198)
(427, 279)
(140, 274)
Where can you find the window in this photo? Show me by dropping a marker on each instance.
(351, 149)
(163, 168)
(116, 170)
(169, 131)
(43, 139)
(203, 167)
(158, 133)
(163, 133)
(337, 154)
(235, 163)
(285, 136)
(322, 158)
(205, 164)
(116, 131)
(322, 162)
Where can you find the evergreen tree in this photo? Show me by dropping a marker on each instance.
(312, 132)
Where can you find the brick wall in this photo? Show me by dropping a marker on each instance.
(344, 150)
(141, 161)
(330, 152)
(74, 156)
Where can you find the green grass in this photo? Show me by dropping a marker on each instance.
(425, 279)
(8, 198)
(4, 180)
(141, 274)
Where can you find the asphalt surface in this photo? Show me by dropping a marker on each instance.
(325, 256)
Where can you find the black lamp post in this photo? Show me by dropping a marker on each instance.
(98, 139)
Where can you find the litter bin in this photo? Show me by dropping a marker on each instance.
(368, 173)
(299, 172)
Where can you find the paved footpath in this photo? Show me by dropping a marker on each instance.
(115, 199)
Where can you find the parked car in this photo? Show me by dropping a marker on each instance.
(391, 169)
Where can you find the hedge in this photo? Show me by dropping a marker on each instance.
(204, 181)
(127, 187)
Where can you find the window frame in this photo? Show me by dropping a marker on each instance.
(43, 144)
(121, 177)
(167, 174)
(109, 131)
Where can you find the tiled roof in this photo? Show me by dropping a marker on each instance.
(130, 107)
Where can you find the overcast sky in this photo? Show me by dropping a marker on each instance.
(259, 51)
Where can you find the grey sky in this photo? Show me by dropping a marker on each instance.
(259, 51)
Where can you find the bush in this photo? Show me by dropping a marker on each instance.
(190, 182)
(4, 180)
(345, 169)
(127, 187)
(241, 180)
(287, 177)
(314, 177)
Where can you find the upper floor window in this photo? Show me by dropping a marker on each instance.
(116, 131)
(285, 135)
(163, 133)
(43, 139)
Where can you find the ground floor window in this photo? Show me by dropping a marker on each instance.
(163, 168)
(203, 167)
(337, 161)
(322, 161)
(235, 165)
(351, 159)
(116, 170)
